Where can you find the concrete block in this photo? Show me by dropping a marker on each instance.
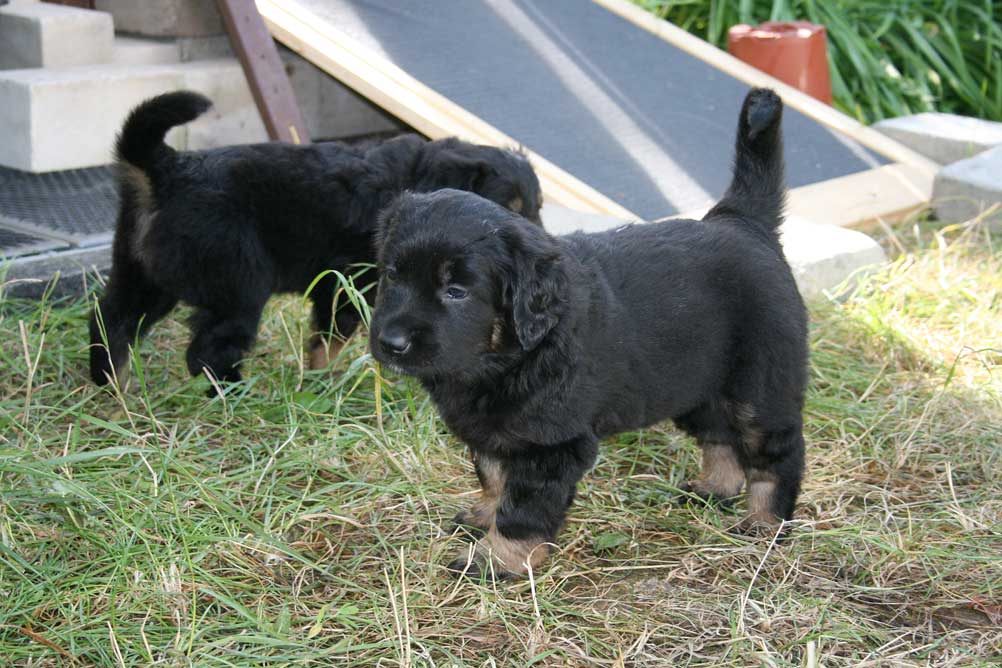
(967, 188)
(144, 51)
(233, 118)
(165, 18)
(204, 48)
(330, 109)
(943, 138)
(68, 117)
(561, 220)
(823, 256)
(76, 271)
(37, 34)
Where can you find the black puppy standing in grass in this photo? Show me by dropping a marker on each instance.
(535, 347)
(224, 229)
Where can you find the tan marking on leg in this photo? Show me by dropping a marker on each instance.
(512, 556)
(492, 481)
(722, 475)
(323, 350)
(761, 490)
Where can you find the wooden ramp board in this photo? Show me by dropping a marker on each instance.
(618, 119)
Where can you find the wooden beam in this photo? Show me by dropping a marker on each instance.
(430, 113)
(802, 102)
(264, 71)
(884, 192)
(887, 193)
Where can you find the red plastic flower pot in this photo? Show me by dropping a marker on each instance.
(795, 52)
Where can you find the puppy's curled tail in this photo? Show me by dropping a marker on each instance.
(757, 192)
(142, 139)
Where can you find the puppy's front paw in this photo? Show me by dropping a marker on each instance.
(501, 558)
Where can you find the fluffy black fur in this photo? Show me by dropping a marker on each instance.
(224, 229)
(534, 347)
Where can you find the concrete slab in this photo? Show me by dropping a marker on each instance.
(944, 138)
(561, 220)
(233, 118)
(164, 18)
(41, 134)
(331, 109)
(38, 34)
(967, 188)
(822, 256)
(144, 51)
(73, 271)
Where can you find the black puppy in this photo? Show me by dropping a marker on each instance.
(224, 229)
(534, 347)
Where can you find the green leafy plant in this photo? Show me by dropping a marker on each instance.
(887, 58)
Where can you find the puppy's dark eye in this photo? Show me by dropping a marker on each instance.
(455, 292)
(390, 273)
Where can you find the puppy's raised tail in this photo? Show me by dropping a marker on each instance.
(757, 192)
(141, 141)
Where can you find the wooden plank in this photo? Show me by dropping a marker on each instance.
(887, 193)
(264, 71)
(414, 103)
(807, 105)
(80, 4)
(881, 192)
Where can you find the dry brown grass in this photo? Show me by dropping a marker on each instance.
(302, 523)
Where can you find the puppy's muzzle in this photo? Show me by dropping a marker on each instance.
(395, 341)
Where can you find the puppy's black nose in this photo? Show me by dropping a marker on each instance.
(394, 342)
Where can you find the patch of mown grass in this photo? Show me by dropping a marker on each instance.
(301, 522)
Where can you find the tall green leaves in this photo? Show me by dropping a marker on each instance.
(888, 58)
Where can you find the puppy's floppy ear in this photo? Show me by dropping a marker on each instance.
(536, 283)
(469, 174)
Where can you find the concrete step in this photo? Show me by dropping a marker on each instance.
(139, 51)
(67, 118)
(822, 256)
(39, 34)
(165, 18)
(944, 138)
(969, 188)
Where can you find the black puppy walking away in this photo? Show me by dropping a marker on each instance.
(224, 229)
(534, 347)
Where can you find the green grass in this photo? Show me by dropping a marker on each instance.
(887, 58)
(300, 521)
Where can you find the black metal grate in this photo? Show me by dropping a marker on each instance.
(78, 205)
(13, 243)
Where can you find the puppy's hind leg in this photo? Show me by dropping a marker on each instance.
(131, 304)
(775, 467)
(220, 342)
